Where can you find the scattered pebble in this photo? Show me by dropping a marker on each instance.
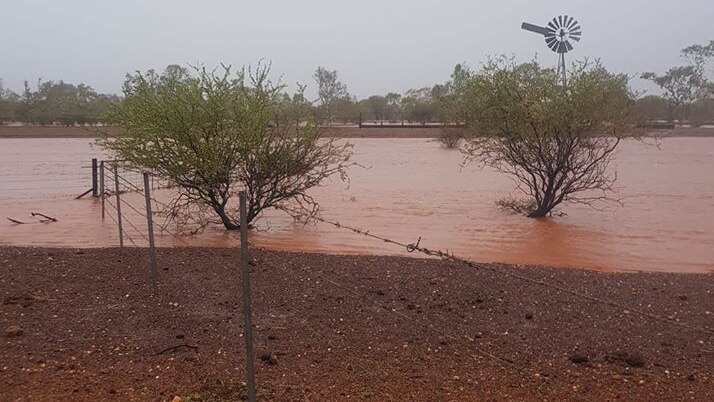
(13, 331)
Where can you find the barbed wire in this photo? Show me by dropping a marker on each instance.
(411, 247)
(135, 229)
(142, 214)
(123, 220)
(131, 187)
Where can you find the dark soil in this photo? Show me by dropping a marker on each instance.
(84, 326)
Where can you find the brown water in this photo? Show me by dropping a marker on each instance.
(413, 189)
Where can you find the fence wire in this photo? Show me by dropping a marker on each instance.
(450, 256)
(131, 181)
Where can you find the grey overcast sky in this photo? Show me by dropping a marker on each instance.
(378, 46)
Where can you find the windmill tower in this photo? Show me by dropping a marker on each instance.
(559, 33)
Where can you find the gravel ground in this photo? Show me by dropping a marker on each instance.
(83, 325)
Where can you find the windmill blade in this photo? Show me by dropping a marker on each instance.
(568, 20)
(560, 21)
(568, 46)
(575, 36)
(553, 23)
(553, 45)
(576, 28)
(534, 28)
(551, 42)
(564, 47)
(573, 22)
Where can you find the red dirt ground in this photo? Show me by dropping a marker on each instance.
(82, 325)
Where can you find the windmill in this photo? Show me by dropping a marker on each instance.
(558, 36)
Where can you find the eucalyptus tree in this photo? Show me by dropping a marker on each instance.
(685, 85)
(331, 92)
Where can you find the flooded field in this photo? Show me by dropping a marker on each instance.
(412, 189)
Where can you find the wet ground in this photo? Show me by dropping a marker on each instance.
(83, 325)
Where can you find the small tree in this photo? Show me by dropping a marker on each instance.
(213, 134)
(684, 85)
(681, 87)
(451, 137)
(9, 102)
(555, 142)
(330, 92)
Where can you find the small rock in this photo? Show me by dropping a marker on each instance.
(579, 358)
(634, 360)
(269, 358)
(180, 336)
(13, 331)
(683, 297)
(176, 399)
(529, 316)
(691, 377)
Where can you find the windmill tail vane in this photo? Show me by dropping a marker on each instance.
(560, 33)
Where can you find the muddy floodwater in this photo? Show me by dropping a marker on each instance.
(413, 188)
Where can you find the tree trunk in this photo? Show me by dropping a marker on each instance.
(543, 209)
(540, 212)
(227, 222)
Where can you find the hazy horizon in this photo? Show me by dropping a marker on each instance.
(376, 47)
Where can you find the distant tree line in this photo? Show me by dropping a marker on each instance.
(687, 97)
(423, 105)
(54, 102)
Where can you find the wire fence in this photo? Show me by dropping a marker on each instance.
(125, 197)
(25, 179)
(450, 256)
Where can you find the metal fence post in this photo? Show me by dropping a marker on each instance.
(101, 186)
(94, 178)
(247, 322)
(116, 190)
(150, 223)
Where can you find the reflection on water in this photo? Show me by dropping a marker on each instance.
(413, 189)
